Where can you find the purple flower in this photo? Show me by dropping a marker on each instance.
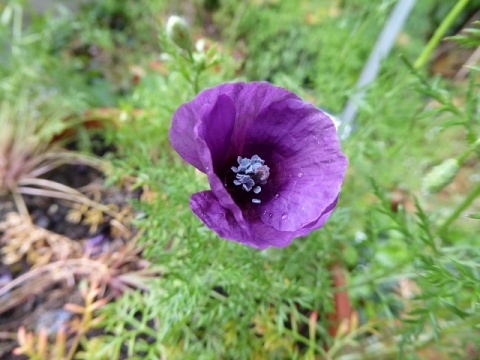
(273, 162)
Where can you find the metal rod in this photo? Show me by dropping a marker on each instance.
(369, 73)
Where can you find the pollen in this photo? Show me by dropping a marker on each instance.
(251, 174)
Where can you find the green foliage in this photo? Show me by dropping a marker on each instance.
(252, 297)
(36, 116)
(304, 42)
(412, 258)
(470, 36)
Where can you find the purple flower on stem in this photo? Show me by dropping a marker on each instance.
(273, 162)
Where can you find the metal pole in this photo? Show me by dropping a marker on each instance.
(370, 71)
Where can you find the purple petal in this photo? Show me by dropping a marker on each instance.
(249, 98)
(5, 276)
(206, 160)
(300, 145)
(213, 214)
(217, 123)
(253, 233)
(94, 244)
(296, 142)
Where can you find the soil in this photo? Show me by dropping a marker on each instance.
(41, 303)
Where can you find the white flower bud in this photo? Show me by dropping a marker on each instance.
(178, 32)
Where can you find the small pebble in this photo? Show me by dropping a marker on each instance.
(52, 320)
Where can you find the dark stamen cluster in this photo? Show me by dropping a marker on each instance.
(250, 174)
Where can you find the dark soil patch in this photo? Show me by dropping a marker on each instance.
(40, 303)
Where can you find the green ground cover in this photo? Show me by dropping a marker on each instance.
(411, 259)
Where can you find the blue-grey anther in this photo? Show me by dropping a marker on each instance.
(250, 174)
(244, 180)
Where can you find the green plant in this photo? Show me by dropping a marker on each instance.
(28, 149)
(410, 258)
(275, 304)
(38, 118)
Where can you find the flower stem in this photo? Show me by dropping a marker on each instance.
(453, 216)
(196, 73)
(195, 84)
(439, 33)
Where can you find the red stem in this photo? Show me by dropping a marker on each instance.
(343, 308)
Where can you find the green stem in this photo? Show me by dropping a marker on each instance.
(465, 204)
(196, 74)
(439, 33)
(196, 86)
(467, 152)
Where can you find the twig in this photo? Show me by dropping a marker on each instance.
(19, 202)
(57, 269)
(62, 192)
(54, 159)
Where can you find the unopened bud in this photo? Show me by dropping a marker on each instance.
(200, 61)
(441, 175)
(178, 32)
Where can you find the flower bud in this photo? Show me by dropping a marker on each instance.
(178, 32)
(200, 61)
(441, 175)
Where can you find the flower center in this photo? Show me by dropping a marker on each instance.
(250, 174)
